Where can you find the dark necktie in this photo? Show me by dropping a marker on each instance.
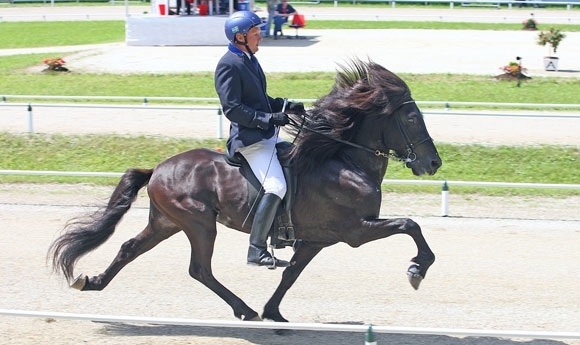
(255, 62)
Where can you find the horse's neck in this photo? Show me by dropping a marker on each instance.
(373, 166)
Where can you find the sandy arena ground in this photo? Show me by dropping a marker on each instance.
(502, 264)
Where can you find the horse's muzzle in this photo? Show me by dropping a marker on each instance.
(425, 167)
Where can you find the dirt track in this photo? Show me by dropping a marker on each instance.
(502, 263)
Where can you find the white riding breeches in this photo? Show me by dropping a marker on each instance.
(263, 160)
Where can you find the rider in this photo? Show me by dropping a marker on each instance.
(255, 120)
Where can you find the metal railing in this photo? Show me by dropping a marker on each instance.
(448, 107)
(445, 185)
(510, 3)
(146, 100)
(384, 182)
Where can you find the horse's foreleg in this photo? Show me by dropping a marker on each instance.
(128, 252)
(424, 259)
(380, 228)
(303, 255)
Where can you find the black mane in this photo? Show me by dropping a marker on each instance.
(361, 89)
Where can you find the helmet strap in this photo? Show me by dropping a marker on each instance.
(245, 43)
(248, 49)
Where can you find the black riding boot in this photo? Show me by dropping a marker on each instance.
(257, 252)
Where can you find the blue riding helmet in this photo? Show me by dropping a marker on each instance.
(241, 22)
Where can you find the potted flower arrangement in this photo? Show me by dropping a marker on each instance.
(55, 64)
(514, 69)
(530, 24)
(553, 37)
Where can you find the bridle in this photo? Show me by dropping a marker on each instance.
(410, 155)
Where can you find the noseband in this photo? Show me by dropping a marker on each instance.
(410, 156)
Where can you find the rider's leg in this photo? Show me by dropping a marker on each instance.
(264, 162)
(265, 213)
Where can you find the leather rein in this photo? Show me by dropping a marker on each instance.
(411, 156)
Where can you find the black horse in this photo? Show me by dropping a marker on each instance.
(342, 147)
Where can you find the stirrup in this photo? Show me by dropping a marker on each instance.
(264, 258)
(274, 264)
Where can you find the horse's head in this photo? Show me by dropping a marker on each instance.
(407, 135)
(386, 115)
(371, 110)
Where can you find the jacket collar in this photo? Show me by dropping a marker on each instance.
(236, 50)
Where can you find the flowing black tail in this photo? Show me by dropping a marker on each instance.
(84, 234)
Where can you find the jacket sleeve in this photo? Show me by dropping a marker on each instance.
(229, 86)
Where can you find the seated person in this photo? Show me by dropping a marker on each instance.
(187, 7)
(283, 11)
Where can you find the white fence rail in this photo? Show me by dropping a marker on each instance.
(296, 326)
(384, 182)
(145, 104)
(444, 184)
(146, 100)
(475, 3)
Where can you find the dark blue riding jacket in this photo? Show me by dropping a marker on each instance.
(241, 87)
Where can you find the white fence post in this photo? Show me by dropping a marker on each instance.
(30, 126)
(220, 123)
(445, 200)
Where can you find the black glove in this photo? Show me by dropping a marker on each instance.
(296, 107)
(279, 119)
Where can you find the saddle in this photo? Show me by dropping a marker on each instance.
(282, 230)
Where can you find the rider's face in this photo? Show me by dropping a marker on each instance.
(254, 38)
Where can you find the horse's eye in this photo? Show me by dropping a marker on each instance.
(412, 118)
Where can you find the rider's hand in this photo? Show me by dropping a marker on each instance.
(279, 119)
(296, 108)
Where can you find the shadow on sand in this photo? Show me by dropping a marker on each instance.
(288, 337)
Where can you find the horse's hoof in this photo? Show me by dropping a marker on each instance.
(80, 282)
(414, 275)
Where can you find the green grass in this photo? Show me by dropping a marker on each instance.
(63, 33)
(428, 87)
(454, 88)
(544, 164)
(105, 153)
(60, 33)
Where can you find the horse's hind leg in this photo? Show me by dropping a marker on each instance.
(156, 231)
(201, 235)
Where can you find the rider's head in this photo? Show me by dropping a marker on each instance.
(240, 25)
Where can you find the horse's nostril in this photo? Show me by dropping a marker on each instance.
(436, 163)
